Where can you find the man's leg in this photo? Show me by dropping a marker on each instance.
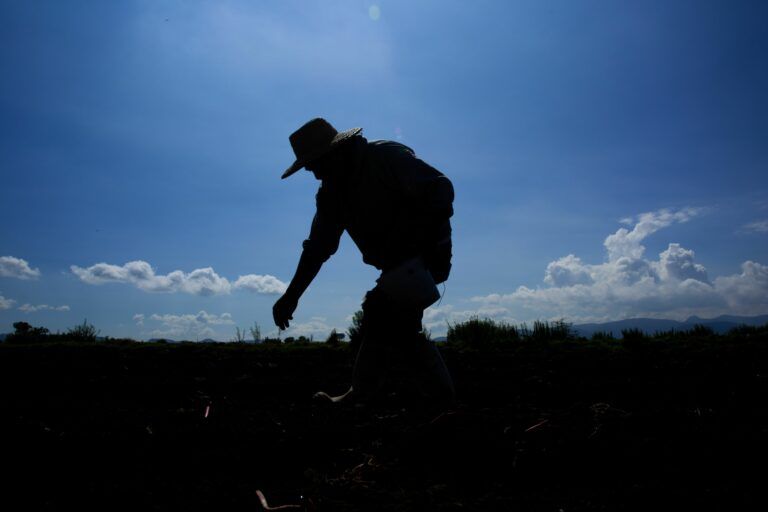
(430, 373)
(374, 356)
(392, 336)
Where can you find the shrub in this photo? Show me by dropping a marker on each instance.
(749, 332)
(333, 338)
(697, 331)
(255, 332)
(602, 336)
(481, 333)
(633, 334)
(701, 331)
(239, 335)
(84, 332)
(557, 330)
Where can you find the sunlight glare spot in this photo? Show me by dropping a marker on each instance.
(374, 12)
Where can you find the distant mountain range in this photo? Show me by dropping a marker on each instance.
(720, 324)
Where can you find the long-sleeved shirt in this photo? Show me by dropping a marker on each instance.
(393, 205)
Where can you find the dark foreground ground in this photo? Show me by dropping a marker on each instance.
(566, 426)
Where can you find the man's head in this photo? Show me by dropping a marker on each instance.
(316, 146)
(328, 164)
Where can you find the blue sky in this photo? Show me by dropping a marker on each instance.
(609, 158)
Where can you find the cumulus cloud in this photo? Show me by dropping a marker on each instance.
(6, 303)
(201, 281)
(677, 263)
(567, 271)
(29, 308)
(626, 243)
(17, 267)
(746, 292)
(260, 284)
(187, 326)
(759, 226)
(629, 284)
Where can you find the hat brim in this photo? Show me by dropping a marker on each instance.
(338, 139)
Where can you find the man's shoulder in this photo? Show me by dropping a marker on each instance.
(397, 160)
(387, 148)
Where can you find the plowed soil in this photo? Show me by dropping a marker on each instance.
(552, 426)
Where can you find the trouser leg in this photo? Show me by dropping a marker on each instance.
(431, 375)
(391, 335)
(374, 355)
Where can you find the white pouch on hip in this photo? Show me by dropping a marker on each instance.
(410, 284)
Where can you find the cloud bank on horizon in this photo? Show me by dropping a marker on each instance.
(627, 285)
(189, 326)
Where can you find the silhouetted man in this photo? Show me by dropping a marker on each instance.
(396, 208)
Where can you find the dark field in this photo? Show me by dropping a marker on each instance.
(578, 425)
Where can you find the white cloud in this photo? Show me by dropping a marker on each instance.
(567, 271)
(29, 308)
(6, 303)
(188, 326)
(746, 292)
(201, 281)
(677, 263)
(760, 226)
(673, 285)
(626, 243)
(260, 284)
(17, 267)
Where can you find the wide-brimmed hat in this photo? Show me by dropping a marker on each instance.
(313, 140)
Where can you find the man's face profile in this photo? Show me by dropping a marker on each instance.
(324, 166)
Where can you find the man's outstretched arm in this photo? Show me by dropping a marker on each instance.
(322, 243)
(283, 309)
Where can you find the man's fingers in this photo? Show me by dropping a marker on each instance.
(282, 322)
(281, 313)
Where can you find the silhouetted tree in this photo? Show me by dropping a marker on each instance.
(26, 333)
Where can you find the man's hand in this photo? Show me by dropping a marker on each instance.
(283, 310)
